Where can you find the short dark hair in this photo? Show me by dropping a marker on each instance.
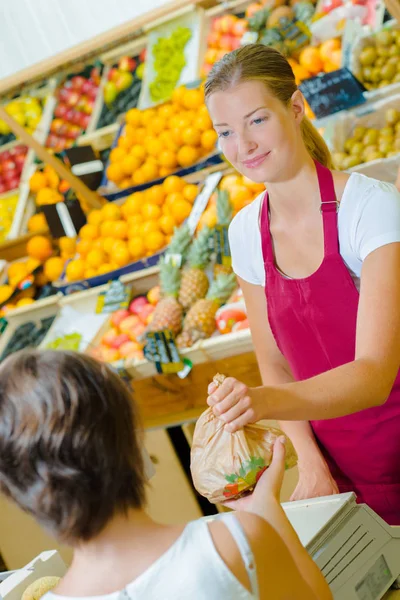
(70, 442)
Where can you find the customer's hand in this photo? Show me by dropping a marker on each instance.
(234, 403)
(314, 483)
(268, 486)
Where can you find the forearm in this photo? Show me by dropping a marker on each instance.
(272, 512)
(342, 391)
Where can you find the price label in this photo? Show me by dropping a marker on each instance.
(295, 34)
(3, 324)
(115, 297)
(202, 199)
(162, 351)
(332, 92)
(221, 246)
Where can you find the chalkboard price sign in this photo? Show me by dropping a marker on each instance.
(332, 92)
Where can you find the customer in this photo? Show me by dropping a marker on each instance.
(70, 455)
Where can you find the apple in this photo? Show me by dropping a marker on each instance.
(76, 117)
(110, 355)
(110, 92)
(88, 107)
(135, 356)
(63, 94)
(95, 75)
(124, 81)
(137, 305)
(12, 184)
(146, 312)
(118, 316)
(73, 132)
(77, 82)
(241, 325)
(3, 187)
(226, 23)
(20, 160)
(8, 165)
(84, 120)
(129, 323)
(109, 337)
(136, 331)
(128, 348)
(6, 155)
(236, 42)
(69, 115)
(213, 39)
(56, 125)
(240, 27)
(226, 42)
(122, 338)
(142, 55)
(127, 63)
(73, 98)
(153, 295)
(211, 56)
(92, 94)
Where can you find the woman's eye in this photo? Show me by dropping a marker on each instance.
(259, 120)
(223, 134)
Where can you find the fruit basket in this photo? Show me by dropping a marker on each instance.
(173, 57)
(375, 60)
(368, 139)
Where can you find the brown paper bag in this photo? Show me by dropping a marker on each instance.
(227, 465)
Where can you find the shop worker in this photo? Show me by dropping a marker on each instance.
(71, 456)
(318, 259)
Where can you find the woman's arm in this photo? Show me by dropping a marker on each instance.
(362, 383)
(314, 475)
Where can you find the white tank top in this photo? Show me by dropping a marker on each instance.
(191, 569)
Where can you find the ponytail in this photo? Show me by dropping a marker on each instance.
(315, 144)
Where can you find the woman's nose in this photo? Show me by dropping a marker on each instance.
(245, 146)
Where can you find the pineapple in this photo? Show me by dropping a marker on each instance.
(200, 320)
(168, 313)
(224, 215)
(180, 241)
(195, 283)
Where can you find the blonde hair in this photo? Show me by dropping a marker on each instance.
(263, 63)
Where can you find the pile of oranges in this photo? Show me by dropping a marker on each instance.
(314, 60)
(47, 186)
(242, 191)
(156, 142)
(115, 236)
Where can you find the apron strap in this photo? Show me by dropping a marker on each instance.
(266, 241)
(329, 209)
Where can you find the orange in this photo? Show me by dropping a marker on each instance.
(129, 164)
(155, 195)
(178, 95)
(150, 212)
(174, 121)
(157, 125)
(133, 117)
(95, 217)
(53, 268)
(167, 141)
(147, 116)
(75, 270)
(167, 224)
(97, 244)
(174, 197)
(190, 192)
(17, 271)
(111, 212)
(125, 183)
(149, 171)
(141, 133)
(191, 136)
(138, 152)
(119, 230)
(337, 58)
(25, 302)
(134, 220)
(166, 209)
(131, 133)
(202, 122)
(176, 136)
(104, 268)
(89, 232)
(166, 111)
(53, 179)
(126, 142)
(135, 229)
(120, 254)
(95, 258)
(114, 172)
(37, 222)
(310, 59)
(180, 210)
(106, 228)
(165, 171)
(327, 48)
(240, 195)
(37, 182)
(108, 244)
(148, 227)
(133, 204)
(173, 184)
(48, 196)
(188, 155)
(67, 244)
(117, 154)
(153, 146)
(139, 177)
(136, 247)
(329, 67)
(300, 73)
(154, 241)
(39, 247)
(83, 247)
(209, 139)
(90, 272)
(192, 99)
(167, 159)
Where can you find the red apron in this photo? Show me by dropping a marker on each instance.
(313, 321)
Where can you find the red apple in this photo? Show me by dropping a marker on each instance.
(127, 63)
(129, 323)
(113, 74)
(128, 348)
(211, 56)
(8, 165)
(69, 115)
(20, 160)
(92, 94)
(3, 188)
(226, 23)
(146, 312)
(109, 337)
(225, 42)
(12, 184)
(118, 316)
(236, 42)
(137, 305)
(6, 155)
(63, 94)
(84, 120)
(213, 39)
(241, 325)
(122, 338)
(87, 86)
(73, 132)
(240, 27)
(142, 55)
(73, 98)
(136, 331)
(77, 82)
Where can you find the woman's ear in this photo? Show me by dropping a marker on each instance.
(297, 104)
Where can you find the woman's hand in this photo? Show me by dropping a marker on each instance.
(234, 403)
(314, 483)
(268, 486)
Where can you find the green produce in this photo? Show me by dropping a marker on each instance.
(379, 60)
(70, 341)
(169, 62)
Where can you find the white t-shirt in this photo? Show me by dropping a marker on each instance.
(368, 218)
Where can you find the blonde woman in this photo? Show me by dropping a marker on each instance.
(318, 259)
